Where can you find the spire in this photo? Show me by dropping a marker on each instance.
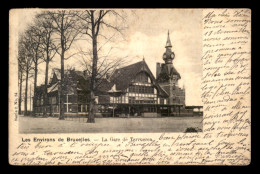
(143, 67)
(168, 43)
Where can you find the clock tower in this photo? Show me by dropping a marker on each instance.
(169, 55)
(167, 76)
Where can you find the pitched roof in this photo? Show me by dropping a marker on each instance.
(103, 86)
(81, 74)
(56, 71)
(123, 77)
(53, 88)
(166, 72)
(74, 80)
(173, 71)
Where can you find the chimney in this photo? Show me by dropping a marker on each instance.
(158, 69)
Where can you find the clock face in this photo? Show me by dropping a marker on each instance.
(172, 55)
(164, 56)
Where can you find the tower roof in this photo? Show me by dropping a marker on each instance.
(168, 43)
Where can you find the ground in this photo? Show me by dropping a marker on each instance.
(108, 125)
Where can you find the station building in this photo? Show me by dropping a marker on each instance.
(129, 91)
(76, 94)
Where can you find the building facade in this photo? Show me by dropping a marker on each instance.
(129, 91)
(75, 94)
(132, 91)
(167, 77)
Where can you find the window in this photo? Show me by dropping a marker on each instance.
(111, 99)
(161, 101)
(53, 100)
(79, 108)
(123, 99)
(131, 99)
(84, 108)
(54, 109)
(73, 108)
(41, 100)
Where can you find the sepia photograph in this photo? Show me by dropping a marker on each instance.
(104, 71)
(129, 87)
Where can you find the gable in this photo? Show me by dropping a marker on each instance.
(123, 77)
(143, 77)
(167, 71)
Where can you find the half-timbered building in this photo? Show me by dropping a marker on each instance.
(75, 94)
(129, 91)
(132, 91)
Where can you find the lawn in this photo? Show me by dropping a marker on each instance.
(108, 125)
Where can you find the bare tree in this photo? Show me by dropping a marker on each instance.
(25, 50)
(92, 22)
(34, 36)
(21, 72)
(45, 22)
(64, 25)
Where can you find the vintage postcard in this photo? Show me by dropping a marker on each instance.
(129, 86)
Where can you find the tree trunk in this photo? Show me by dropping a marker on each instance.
(26, 88)
(91, 115)
(34, 87)
(20, 95)
(45, 99)
(61, 117)
(62, 87)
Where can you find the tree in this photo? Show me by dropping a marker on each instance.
(64, 24)
(34, 36)
(21, 71)
(92, 22)
(45, 22)
(25, 50)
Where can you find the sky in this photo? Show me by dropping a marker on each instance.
(145, 37)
